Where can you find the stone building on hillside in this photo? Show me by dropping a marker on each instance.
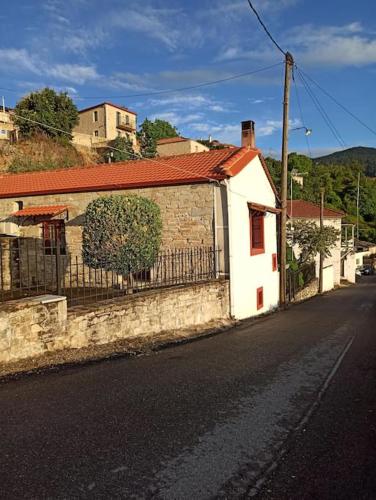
(179, 146)
(103, 123)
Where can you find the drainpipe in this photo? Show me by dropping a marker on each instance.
(230, 245)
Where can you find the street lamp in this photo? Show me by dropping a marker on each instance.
(307, 131)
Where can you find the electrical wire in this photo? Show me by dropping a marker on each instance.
(322, 111)
(136, 156)
(265, 28)
(301, 112)
(172, 91)
(338, 103)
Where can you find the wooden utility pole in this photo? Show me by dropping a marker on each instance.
(321, 268)
(289, 63)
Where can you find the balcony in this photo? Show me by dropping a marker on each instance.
(347, 239)
(123, 125)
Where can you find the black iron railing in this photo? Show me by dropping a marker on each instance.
(29, 267)
(299, 279)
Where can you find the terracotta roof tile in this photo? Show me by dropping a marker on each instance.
(307, 210)
(43, 210)
(171, 140)
(182, 169)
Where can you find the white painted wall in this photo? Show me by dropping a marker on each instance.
(334, 259)
(349, 267)
(328, 278)
(249, 272)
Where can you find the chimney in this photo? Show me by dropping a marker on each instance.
(248, 134)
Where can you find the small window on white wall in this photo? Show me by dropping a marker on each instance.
(95, 116)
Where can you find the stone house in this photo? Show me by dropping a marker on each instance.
(179, 146)
(222, 198)
(105, 122)
(8, 130)
(341, 262)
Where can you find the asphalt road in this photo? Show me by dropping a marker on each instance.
(209, 418)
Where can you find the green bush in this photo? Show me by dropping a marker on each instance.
(121, 233)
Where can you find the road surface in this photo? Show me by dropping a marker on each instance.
(210, 418)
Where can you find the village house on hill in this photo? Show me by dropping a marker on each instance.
(104, 122)
(341, 263)
(222, 198)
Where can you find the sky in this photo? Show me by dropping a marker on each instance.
(115, 50)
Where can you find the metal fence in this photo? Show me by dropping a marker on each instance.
(29, 267)
(299, 279)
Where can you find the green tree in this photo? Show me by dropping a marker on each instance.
(160, 129)
(121, 233)
(48, 107)
(122, 150)
(146, 139)
(312, 240)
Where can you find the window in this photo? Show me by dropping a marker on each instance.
(260, 297)
(127, 119)
(54, 236)
(274, 262)
(96, 133)
(256, 230)
(118, 118)
(95, 116)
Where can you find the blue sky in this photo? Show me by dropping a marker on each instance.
(108, 49)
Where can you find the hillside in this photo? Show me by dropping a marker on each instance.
(366, 157)
(42, 153)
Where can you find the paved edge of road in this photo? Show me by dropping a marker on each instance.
(264, 476)
(148, 349)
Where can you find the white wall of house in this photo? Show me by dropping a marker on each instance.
(349, 266)
(334, 260)
(328, 278)
(250, 272)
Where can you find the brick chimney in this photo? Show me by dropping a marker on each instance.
(248, 134)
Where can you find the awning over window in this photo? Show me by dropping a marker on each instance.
(43, 210)
(263, 208)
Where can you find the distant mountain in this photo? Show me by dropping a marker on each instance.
(366, 157)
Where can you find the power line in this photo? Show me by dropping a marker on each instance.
(338, 103)
(301, 112)
(322, 111)
(136, 156)
(172, 91)
(265, 28)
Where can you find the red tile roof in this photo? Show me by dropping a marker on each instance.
(108, 104)
(171, 140)
(183, 169)
(44, 210)
(307, 210)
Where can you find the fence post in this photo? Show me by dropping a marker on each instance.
(58, 264)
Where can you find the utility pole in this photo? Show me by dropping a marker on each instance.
(357, 207)
(321, 268)
(289, 64)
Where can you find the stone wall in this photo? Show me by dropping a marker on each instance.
(187, 213)
(33, 327)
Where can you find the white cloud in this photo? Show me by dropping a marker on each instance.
(335, 46)
(17, 59)
(72, 72)
(177, 119)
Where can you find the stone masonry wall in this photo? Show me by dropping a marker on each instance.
(186, 210)
(33, 327)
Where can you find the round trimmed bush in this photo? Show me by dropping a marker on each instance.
(121, 233)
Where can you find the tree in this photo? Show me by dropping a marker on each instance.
(160, 129)
(312, 240)
(122, 150)
(151, 132)
(121, 233)
(46, 107)
(148, 144)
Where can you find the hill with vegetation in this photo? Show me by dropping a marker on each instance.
(43, 153)
(340, 181)
(365, 157)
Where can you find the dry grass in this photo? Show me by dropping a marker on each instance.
(43, 153)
